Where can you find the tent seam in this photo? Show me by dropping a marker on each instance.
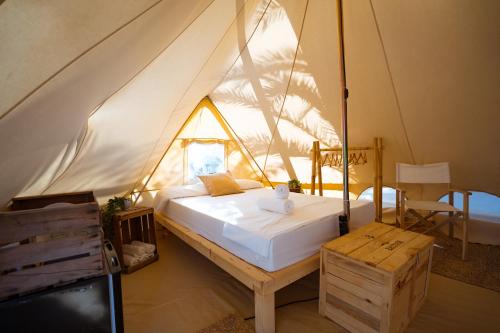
(288, 85)
(181, 98)
(123, 86)
(242, 144)
(246, 45)
(71, 62)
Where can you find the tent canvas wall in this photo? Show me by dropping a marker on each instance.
(94, 92)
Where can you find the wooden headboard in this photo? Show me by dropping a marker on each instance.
(332, 157)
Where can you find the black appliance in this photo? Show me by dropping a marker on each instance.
(89, 305)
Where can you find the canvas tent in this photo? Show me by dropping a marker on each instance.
(94, 92)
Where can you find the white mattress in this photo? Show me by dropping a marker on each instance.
(208, 215)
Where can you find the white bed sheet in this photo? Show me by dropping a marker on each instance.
(318, 223)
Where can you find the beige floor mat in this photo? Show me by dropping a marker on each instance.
(185, 292)
(481, 267)
(230, 324)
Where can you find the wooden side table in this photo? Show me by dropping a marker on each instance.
(134, 224)
(375, 279)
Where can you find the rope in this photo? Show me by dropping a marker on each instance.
(398, 105)
(287, 86)
(177, 104)
(246, 149)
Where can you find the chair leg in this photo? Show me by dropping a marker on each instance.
(402, 213)
(465, 231)
(451, 199)
(397, 206)
(465, 238)
(451, 229)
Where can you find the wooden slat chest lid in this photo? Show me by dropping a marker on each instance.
(133, 212)
(381, 246)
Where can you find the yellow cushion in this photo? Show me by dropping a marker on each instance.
(220, 184)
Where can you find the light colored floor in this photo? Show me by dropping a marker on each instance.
(185, 292)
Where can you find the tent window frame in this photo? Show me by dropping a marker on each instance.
(185, 145)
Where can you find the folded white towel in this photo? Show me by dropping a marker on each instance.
(282, 206)
(281, 191)
(148, 248)
(133, 250)
(129, 260)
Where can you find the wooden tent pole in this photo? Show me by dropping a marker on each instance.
(318, 167)
(344, 93)
(313, 170)
(378, 183)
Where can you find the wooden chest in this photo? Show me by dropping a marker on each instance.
(45, 247)
(375, 279)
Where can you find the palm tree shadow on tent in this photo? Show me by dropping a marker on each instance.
(259, 82)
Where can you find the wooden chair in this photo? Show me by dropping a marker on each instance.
(437, 173)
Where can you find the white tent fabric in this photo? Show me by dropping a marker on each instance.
(423, 75)
(150, 99)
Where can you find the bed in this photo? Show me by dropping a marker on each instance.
(265, 251)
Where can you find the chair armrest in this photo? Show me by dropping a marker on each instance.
(400, 193)
(399, 189)
(464, 192)
(465, 200)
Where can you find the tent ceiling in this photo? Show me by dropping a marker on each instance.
(423, 75)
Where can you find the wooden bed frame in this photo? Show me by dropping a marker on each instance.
(263, 283)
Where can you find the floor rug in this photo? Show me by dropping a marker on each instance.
(230, 324)
(481, 267)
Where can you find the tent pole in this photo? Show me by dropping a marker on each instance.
(344, 93)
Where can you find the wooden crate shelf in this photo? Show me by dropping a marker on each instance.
(134, 224)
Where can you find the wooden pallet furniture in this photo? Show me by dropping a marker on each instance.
(332, 157)
(375, 279)
(263, 283)
(134, 224)
(45, 247)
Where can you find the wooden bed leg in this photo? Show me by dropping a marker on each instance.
(465, 231)
(451, 232)
(264, 313)
(322, 283)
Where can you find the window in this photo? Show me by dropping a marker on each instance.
(482, 206)
(388, 196)
(204, 158)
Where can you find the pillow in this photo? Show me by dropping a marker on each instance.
(247, 184)
(220, 184)
(183, 191)
(173, 192)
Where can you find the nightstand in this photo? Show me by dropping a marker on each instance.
(375, 278)
(134, 224)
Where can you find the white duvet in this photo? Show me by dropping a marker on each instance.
(249, 226)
